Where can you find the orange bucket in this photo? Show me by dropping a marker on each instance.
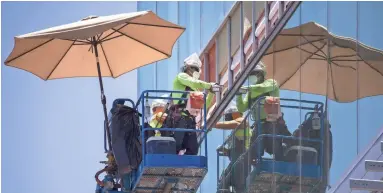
(196, 100)
(272, 108)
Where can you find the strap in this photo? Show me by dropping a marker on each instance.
(184, 95)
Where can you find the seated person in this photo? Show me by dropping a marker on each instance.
(306, 130)
(157, 119)
(236, 172)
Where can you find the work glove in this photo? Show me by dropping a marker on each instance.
(242, 90)
(215, 87)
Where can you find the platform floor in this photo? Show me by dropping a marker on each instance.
(278, 183)
(182, 180)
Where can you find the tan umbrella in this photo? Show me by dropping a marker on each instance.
(305, 48)
(96, 46)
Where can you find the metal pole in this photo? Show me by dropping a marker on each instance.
(103, 98)
(267, 20)
(229, 60)
(206, 67)
(218, 95)
(280, 10)
(254, 26)
(241, 50)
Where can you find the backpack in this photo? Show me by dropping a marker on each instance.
(126, 140)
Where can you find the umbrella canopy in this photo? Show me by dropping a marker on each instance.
(96, 46)
(348, 66)
(124, 42)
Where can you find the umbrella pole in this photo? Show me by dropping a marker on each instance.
(103, 98)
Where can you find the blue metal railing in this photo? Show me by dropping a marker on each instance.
(318, 106)
(145, 95)
(141, 100)
(320, 110)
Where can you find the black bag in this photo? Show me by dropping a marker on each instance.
(126, 139)
(306, 131)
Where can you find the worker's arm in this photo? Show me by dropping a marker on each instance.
(265, 87)
(227, 125)
(256, 90)
(242, 103)
(187, 80)
(230, 125)
(209, 100)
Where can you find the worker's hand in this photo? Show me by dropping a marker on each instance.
(161, 117)
(215, 87)
(242, 90)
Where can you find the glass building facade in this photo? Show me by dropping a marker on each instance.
(201, 20)
(354, 125)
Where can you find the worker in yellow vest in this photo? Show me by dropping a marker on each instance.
(157, 118)
(179, 116)
(260, 86)
(234, 174)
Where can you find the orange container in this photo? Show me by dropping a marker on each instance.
(272, 108)
(196, 100)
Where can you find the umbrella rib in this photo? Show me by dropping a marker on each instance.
(114, 31)
(343, 56)
(99, 36)
(154, 25)
(312, 54)
(361, 58)
(81, 44)
(104, 40)
(292, 47)
(348, 60)
(143, 43)
(106, 58)
(333, 84)
(312, 35)
(342, 66)
(27, 51)
(372, 67)
(315, 46)
(338, 60)
(300, 67)
(76, 40)
(66, 52)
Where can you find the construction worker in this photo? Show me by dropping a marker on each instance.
(259, 86)
(179, 117)
(236, 172)
(158, 115)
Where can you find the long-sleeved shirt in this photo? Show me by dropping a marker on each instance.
(182, 80)
(157, 121)
(267, 86)
(241, 133)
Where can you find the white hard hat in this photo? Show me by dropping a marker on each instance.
(231, 109)
(260, 67)
(159, 102)
(193, 60)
